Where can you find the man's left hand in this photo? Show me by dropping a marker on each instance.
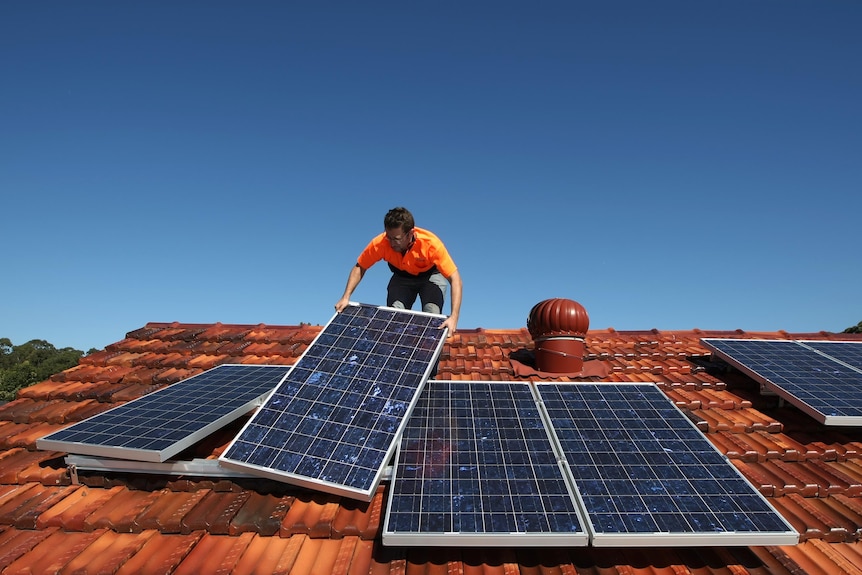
(451, 324)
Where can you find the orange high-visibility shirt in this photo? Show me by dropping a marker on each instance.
(426, 252)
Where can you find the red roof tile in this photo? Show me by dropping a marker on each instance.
(118, 513)
(214, 512)
(160, 553)
(54, 552)
(214, 554)
(14, 543)
(141, 523)
(167, 512)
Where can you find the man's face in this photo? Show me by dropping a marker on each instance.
(399, 239)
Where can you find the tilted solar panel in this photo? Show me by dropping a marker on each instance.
(805, 374)
(332, 423)
(475, 466)
(157, 426)
(849, 352)
(647, 476)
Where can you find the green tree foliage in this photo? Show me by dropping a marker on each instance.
(854, 329)
(32, 362)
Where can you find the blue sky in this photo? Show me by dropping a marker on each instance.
(670, 165)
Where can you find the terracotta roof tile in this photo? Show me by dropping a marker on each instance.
(260, 360)
(125, 359)
(14, 543)
(101, 358)
(234, 348)
(849, 507)
(260, 513)
(807, 520)
(220, 332)
(735, 421)
(12, 497)
(267, 555)
(310, 514)
(360, 519)
(174, 331)
(852, 468)
(19, 410)
(324, 556)
(205, 362)
(110, 374)
(132, 346)
(128, 392)
(214, 554)
(71, 512)
(146, 332)
(144, 375)
(49, 389)
(175, 359)
(57, 411)
(160, 553)
(24, 434)
(81, 390)
(173, 375)
(53, 553)
(843, 557)
(285, 350)
(753, 420)
(775, 480)
(835, 478)
(41, 391)
(838, 523)
(166, 513)
(24, 513)
(261, 348)
(118, 513)
(144, 523)
(220, 485)
(41, 468)
(271, 334)
(108, 553)
(214, 512)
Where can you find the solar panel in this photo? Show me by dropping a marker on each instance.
(849, 352)
(820, 378)
(332, 423)
(647, 476)
(475, 466)
(157, 426)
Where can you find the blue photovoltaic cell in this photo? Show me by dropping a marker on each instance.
(849, 352)
(476, 467)
(647, 476)
(157, 426)
(332, 424)
(816, 377)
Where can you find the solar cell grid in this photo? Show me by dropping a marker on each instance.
(646, 475)
(475, 466)
(331, 425)
(157, 426)
(845, 351)
(806, 374)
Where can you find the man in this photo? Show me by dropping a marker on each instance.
(420, 265)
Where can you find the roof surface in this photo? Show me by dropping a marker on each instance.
(110, 522)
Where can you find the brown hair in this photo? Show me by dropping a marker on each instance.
(399, 218)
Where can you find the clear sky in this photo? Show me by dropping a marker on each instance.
(670, 165)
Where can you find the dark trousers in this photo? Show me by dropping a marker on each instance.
(403, 290)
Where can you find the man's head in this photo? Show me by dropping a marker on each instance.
(399, 224)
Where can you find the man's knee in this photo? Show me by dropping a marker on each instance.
(431, 307)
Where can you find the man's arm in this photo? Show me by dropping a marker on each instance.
(353, 280)
(451, 322)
